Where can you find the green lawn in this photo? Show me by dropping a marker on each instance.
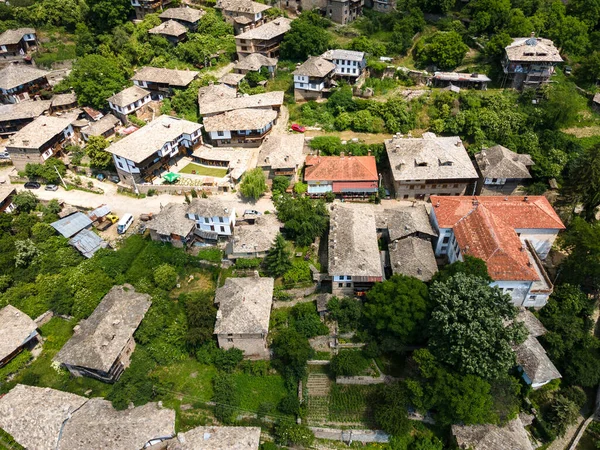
(191, 380)
(255, 390)
(197, 169)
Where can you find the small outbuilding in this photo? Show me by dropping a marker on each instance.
(72, 224)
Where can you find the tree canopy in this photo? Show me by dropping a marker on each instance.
(253, 184)
(445, 49)
(307, 36)
(304, 219)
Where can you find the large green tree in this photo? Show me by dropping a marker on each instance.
(104, 15)
(304, 219)
(291, 351)
(306, 37)
(467, 327)
(96, 151)
(582, 243)
(445, 49)
(277, 262)
(254, 184)
(585, 179)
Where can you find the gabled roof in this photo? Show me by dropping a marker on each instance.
(532, 323)
(169, 28)
(340, 168)
(35, 134)
(87, 243)
(254, 62)
(315, 66)
(242, 6)
(72, 224)
(413, 257)
(405, 221)
(532, 49)
(28, 109)
(99, 340)
(429, 158)
(15, 328)
(7, 191)
(65, 99)
(172, 77)
(102, 126)
(534, 361)
(218, 438)
(232, 79)
(244, 306)
(15, 75)
(172, 220)
(214, 93)
(258, 237)
(185, 14)
(282, 151)
(208, 207)
(229, 103)
(500, 162)
(353, 248)
(349, 55)
(240, 119)
(128, 96)
(512, 436)
(270, 30)
(12, 37)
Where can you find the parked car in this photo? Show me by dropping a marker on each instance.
(298, 128)
(252, 212)
(115, 179)
(32, 185)
(124, 223)
(112, 218)
(4, 155)
(51, 187)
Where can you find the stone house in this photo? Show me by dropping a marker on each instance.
(501, 170)
(243, 316)
(241, 127)
(254, 62)
(171, 30)
(244, 15)
(102, 345)
(39, 140)
(172, 225)
(344, 11)
(214, 100)
(347, 176)
(143, 7)
(431, 165)
(7, 194)
(354, 261)
(17, 42)
(186, 16)
(163, 82)
(282, 155)
(20, 82)
(254, 241)
(349, 64)
(213, 219)
(131, 100)
(384, 6)
(460, 80)
(313, 78)
(217, 438)
(64, 102)
(105, 127)
(511, 234)
(512, 436)
(15, 116)
(264, 39)
(18, 332)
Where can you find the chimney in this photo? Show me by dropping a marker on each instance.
(369, 153)
(342, 154)
(526, 198)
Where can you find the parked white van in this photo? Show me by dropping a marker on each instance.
(124, 223)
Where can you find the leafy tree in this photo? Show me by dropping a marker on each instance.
(306, 321)
(571, 35)
(348, 363)
(280, 184)
(494, 48)
(582, 243)
(471, 266)
(94, 78)
(347, 312)
(396, 311)
(438, 6)
(390, 409)
(104, 15)
(201, 312)
(226, 399)
(589, 69)
(96, 151)
(165, 277)
(228, 360)
(467, 327)
(585, 179)
(291, 351)
(26, 252)
(564, 412)
(253, 184)
(304, 219)
(289, 433)
(46, 171)
(25, 201)
(307, 36)
(277, 262)
(445, 49)
(586, 10)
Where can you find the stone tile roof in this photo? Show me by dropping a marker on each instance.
(218, 438)
(214, 93)
(534, 361)
(258, 237)
(169, 28)
(98, 425)
(15, 75)
(282, 151)
(149, 139)
(64, 99)
(315, 66)
(349, 55)
(268, 31)
(353, 248)
(12, 37)
(15, 328)
(102, 126)
(191, 15)
(532, 49)
(240, 119)
(128, 96)
(172, 77)
(341, 168)
(597, 99)
(244, 306)
(28, 109)
(35, 134)
(229, 103)
(7, 191)
(414, 257)
(532, 323)
(48, 419)
(242, 6)
(99, 340)
(208, 207)
(512, 436)
(455, 76)
(405, 221)
(500, 162)
(429, 158)
(254, 62)
(34, 416)
(232, 79)
(172, 220)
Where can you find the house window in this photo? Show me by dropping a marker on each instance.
(229, 340)
(405, 196)
(220, 133)
(412, 186)
(221, 220)
(532, 298)
(446, 240)
(348, 284)
(222, 229)
(206, 220)
(341, 285)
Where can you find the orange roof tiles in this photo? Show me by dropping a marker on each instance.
(340, 168)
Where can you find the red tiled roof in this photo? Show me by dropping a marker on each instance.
(515, 211)
(340, 168)
(484, 227)
(339, 185)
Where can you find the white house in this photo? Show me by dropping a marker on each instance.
(129, 101)
(313, 78)
(511, 234)
(348, 63)
(241, 127)
(213, 219)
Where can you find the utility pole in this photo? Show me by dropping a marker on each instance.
(61, 178)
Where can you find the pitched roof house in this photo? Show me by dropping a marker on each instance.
(227, 101)
(511, 234)
(129, 101)
(349, 64)
(217, 438)
(354, 261)
(143, 7)
(413, 257)
(15, 116)
(254, 62)
(105, 127)
(244, 15)
(243, 316)
(20, 82)
(501, 170)
(18, 330)
(213, 218)
(254, 241)
(264, 39)
(241, 127)
(64, 102)
(511, 436)
(172, 225)
(313, 78)
(430, 165)
(282, 155)
(7, 193)
(102, 344)
(87, 243)
(189, 17)
(343, 175)
(17, 42)
(171, 30)
(162, 82)
(72, 224)
(214, 93)
(400, 222)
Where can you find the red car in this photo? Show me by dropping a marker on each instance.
(298, 128)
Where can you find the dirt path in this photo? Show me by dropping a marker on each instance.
(367, 138)
(583, 132)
